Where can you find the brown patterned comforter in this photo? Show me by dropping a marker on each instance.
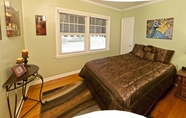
(127, 82)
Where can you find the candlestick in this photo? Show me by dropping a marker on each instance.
(19, 60)
(25, 62)
(25, 54)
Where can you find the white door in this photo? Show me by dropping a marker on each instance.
(127, 33)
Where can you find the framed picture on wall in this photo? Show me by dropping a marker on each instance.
(160, 28)
(40, 24)
(12, 20)
(0, 30)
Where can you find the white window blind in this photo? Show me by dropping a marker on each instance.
(70, 23)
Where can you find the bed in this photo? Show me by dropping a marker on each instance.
(131, 82)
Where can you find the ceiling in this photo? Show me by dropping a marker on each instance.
(121, 6)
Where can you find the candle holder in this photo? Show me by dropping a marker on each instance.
(19, 61)
(25, 62)
(25, 57)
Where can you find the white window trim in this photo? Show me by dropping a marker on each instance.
(58, 43)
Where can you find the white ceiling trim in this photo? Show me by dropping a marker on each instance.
(137, 6)
(95, 3)
(127, 0)
(142, 5)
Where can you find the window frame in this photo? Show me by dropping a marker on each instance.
(87, 50)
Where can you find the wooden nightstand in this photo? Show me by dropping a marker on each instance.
(181, 86)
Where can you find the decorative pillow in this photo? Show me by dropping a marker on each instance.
(137, 47)
(153, 48)
(140, 53)
(163, 55)
(147, 48)
(150, 56)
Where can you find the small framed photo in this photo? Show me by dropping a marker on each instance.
(40, 25)
(19, 70)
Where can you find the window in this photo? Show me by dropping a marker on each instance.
(97, 33)
(80, 33)
(72, 32)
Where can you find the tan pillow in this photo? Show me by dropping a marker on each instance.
(137, 47)
(140, 53)
(147, 48)
(163, 55)
(150, 56)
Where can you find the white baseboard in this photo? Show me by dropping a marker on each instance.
(54, 77)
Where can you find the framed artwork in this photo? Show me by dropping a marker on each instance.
(40, 24)
(12, 20)
(0, 30)
(19, 70)
(160, 28)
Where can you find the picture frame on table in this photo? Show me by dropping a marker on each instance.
(19, 70)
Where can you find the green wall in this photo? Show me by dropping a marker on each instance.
(165, 9)
(42, 49)
(10, 50)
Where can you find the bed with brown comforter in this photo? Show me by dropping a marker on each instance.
(131, 82)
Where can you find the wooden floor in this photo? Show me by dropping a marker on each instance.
(168, 107)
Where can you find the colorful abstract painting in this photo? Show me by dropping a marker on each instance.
(160, 28)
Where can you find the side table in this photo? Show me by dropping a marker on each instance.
(181, 86)
(13, 83)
